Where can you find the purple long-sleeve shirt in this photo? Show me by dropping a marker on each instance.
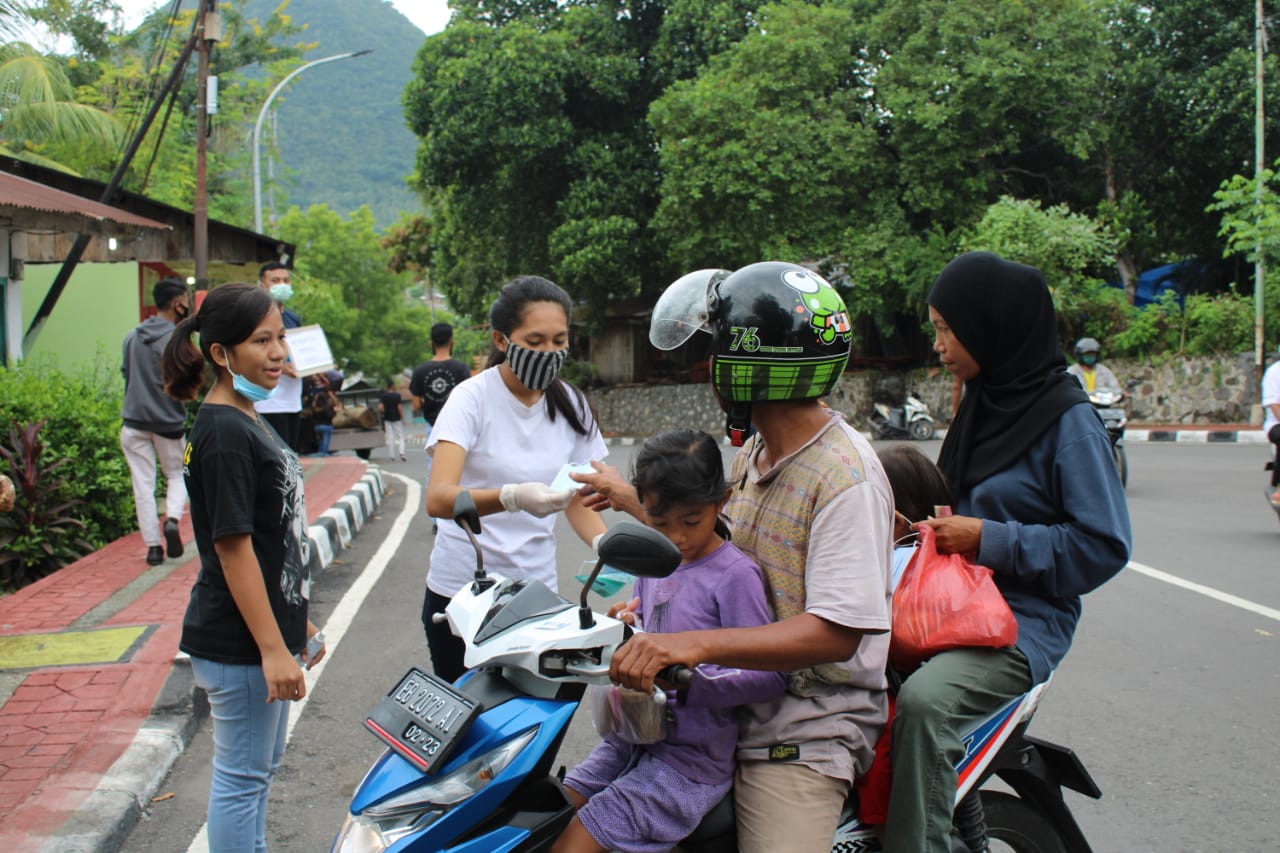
(722, 590)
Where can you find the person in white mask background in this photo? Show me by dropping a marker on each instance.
(503, 435)
(283, 408)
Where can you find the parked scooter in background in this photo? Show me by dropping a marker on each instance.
(1110, 406)
(910, 420)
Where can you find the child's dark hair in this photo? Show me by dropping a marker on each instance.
(918, 486)
(506, 315)
(228, 316)
(681, 466)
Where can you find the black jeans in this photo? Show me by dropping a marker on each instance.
(446, 649)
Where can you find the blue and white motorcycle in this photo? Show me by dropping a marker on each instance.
(470, 767)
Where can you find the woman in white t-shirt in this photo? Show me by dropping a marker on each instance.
(503, 435)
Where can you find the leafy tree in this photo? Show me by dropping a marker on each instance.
(868, 136)
(88, 23)
(1251, 225)
(1070, 249)
(1174, 120)
(536, 154)
(345, 286)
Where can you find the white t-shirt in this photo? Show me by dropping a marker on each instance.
(506, 442)
(1270, 395)
(287, 398)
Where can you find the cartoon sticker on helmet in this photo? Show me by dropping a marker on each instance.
(830, 319)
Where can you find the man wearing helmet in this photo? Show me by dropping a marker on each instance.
(1089, 372)
(812, 506)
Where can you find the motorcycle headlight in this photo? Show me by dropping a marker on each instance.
(384, 823)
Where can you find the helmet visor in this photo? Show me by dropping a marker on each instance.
(681, 310)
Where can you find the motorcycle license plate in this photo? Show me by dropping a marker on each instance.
(422, 719)
(1111, 414)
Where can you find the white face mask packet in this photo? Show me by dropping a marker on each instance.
(563, 483)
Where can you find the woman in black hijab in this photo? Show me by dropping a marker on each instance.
(1038, 501)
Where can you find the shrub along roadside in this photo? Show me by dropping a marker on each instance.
(82, 425)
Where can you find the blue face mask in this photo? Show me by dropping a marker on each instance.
(251, 391)
(281, 292)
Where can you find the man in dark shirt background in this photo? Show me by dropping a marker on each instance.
(434, 380)
(392, 422)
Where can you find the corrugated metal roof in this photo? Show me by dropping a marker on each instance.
(16, 192)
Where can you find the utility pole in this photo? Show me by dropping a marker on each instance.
(108, 196)
(1259, 157)
(210, 33)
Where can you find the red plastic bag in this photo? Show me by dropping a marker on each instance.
(946, 602)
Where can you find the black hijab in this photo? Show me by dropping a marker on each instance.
(1002, 313)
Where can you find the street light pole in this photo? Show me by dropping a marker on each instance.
(257, 128)
(1259, 155)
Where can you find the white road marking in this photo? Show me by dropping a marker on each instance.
(343, 615)
(1208, 591)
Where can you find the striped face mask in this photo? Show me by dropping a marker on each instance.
(536, 369)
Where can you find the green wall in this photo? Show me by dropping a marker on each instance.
(97, 309)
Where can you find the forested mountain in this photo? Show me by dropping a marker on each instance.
(340, 128)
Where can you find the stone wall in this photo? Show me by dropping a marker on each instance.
(1181, 391)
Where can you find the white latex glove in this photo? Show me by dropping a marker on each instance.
(537, 499)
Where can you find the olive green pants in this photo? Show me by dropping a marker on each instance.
(947, 695)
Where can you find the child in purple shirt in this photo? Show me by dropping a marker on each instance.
(642, 798)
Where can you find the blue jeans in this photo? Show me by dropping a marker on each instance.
(324, 432)
(248, 744)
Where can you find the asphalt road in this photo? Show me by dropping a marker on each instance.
(1169, 696)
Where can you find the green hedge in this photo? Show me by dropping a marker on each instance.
(83, 412)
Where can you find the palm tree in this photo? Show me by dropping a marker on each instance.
(38, 111)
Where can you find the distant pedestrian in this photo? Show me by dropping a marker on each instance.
(392, 421)
(246, 627)
(324, 405)
(1271, 423)
(284, 409)
(434, 380)
(154, 422)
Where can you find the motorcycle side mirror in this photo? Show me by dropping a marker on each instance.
(468, 518)
(465, 512)
(635, 549)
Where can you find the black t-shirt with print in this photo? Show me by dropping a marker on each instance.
(242, 478)
(433, 381)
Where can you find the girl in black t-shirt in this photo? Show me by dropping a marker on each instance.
(247, 616)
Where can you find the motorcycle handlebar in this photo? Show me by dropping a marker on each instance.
(678, 674)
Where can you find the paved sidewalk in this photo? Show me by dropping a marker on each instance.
(96, 702)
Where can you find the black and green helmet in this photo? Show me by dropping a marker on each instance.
(779, 332)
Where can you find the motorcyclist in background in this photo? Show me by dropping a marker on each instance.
(1089, 372)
